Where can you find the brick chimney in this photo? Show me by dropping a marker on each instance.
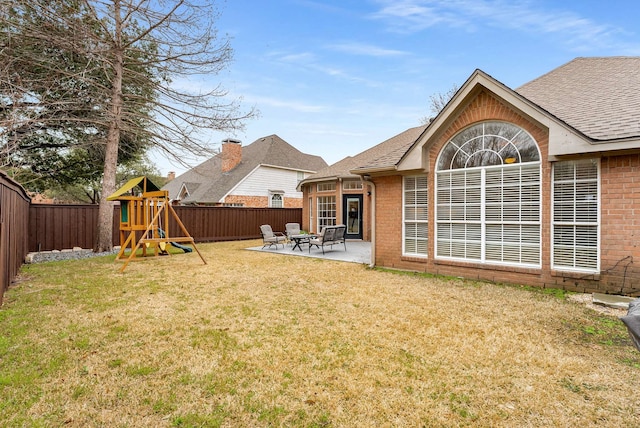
(231, 154)
(171, 175)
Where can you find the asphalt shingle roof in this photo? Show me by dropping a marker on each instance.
(387, 153)
(598, 96)
(214, 184)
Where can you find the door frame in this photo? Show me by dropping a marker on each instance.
(349, 220)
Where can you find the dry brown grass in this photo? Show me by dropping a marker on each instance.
(254, 339)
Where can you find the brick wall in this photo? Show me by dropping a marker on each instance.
(389, 222)
(309, 191)
(248, 201)
(293, 202)
(620, 224)
(261, 201)
(620, 205)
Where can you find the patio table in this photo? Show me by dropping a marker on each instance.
(301, 239)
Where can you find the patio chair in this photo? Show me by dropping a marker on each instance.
(269, 237)
(330, 235)
(291, 229)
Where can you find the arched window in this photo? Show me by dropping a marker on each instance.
(488, 194)
(276, 200)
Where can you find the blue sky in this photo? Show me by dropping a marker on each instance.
(333, 78)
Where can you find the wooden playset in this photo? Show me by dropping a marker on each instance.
(144, 222)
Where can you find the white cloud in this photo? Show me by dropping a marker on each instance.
(417, 15)
(311, 62)
(365, 49)
(286, 104)
(410, 16)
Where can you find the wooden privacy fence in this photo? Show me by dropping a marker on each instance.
(58, 227)
(14, 215)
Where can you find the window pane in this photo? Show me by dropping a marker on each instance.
(326, 211)
(489, 196)
(415, 215)
(575, 215)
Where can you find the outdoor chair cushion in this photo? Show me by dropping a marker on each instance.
(330, 235)
(291, 229)
(269, 237)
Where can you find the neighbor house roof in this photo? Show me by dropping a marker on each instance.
(600, 97)
(206, 183)
(387, 152)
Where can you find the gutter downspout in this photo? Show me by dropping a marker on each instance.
(367, 179)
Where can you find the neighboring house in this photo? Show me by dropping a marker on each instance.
(263, 174)
(538, 185)
(335, 195)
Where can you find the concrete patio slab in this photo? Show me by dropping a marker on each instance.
(612, 300)
(357, 252)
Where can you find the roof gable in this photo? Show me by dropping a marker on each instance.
(416, 158)
(571, 128)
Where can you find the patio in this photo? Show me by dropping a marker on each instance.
(357, 252)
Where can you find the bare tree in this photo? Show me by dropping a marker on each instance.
(139, 58)
(437, 102)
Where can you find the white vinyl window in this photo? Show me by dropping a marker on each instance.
(352, 185)
(276, 200)
(576, 215)
(327, 186)
(415, 224)
(488, 193)
(326, 211)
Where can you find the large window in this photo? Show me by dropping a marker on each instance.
(415, 231)
(575, 215)
(326, 211)
(488, 196)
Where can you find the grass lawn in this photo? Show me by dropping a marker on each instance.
(253, 339)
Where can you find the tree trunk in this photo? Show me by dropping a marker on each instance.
(105, 211)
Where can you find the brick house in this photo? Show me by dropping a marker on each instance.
(539, 185)
(335, 195)
(263, 174)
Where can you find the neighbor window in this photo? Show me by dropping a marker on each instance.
(326, 211)
(276, 200)
(488, 196)
(575, 215)
(415, 232)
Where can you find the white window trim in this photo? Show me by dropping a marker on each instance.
(319, 218)
(405, 221)
(563, 268)
(352, 185)
(330, 184)
(274, 194)
(482, 221)
(311, 225)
